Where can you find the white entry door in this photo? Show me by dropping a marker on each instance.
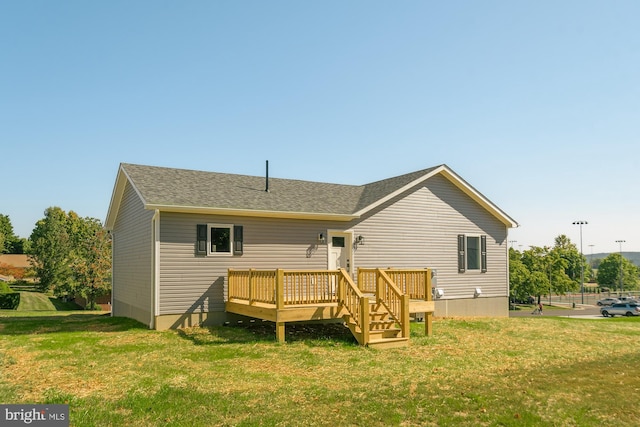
(340, 250)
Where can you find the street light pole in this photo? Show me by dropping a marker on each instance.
(549, 279)
(620, 269)
(581, 223)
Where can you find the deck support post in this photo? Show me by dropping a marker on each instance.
(404, 314)
(364, 320)
(279, 303)
(428, 324)
(251, 286)
(279, 289)
(280, 332)
(428, 317)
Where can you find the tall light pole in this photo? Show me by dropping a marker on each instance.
(581, 223)
(620, 242)
(512, 242)
(549, 259)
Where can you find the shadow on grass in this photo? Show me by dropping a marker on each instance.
(80, 322)
(64, 305)
(312, 334)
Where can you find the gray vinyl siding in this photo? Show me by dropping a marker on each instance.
(132, 259)
(191, 283)
(416, 230)
(420, 230)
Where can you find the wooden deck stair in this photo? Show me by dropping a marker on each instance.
(376, 310)
(383, 331)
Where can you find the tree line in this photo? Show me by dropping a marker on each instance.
(561, 269)
(70, 255)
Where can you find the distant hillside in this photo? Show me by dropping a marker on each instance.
(634, 257)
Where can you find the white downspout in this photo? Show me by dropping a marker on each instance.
(155, 267)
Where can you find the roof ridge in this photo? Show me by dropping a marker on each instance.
(190, 190)
(167, 168)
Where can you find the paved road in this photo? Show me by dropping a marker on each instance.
(586, 311)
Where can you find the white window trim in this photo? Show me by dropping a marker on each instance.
(230, 227)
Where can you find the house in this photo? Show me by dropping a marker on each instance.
(13, 266)
(177, 234)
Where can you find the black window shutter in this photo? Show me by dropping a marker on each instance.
(201, 239)
(483, 253)
(238, 239)
(461, 254)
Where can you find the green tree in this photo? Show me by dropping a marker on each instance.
(51, 250)
(71, 255)
(20, 246)
(519, 289)
(576, 263)
(610, 269)
(559, 261)
(8, 241)
(534, 259)
(91, 259)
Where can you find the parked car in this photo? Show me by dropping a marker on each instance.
(621, 309)
(608, 301)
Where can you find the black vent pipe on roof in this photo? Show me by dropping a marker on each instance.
(266, 189)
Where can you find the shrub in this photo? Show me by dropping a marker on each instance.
(9, 300)
(4, 288)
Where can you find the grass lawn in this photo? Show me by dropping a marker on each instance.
(539, 371)
(36, 301)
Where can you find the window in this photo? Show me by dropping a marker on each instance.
(337, 242)
(214, 239)
(472, 253)
(219, 239)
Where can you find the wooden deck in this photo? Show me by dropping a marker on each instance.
(376, 310)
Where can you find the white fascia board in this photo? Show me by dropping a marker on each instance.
(399, 191)
(251, 213)
(116, 197)
(478, 197)
(459, 183)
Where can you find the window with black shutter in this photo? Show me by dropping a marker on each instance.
(201, 239)
(461, 254)
(238, 239)
(472, 253)
(483, 253)
(219, 239)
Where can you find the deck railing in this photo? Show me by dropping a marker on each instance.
(354, 303)
(253, 285)
(284, 287)
(396, 302)
(279, 289)
(414, 282)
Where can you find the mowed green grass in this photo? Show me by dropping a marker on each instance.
(471, 372)
(35, 301)
(39, 302)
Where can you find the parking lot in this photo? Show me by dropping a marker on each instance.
(580, 311)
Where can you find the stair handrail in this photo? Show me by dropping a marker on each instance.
(354, 302)
(396, 301)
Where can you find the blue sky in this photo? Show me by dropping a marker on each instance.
(536, 104)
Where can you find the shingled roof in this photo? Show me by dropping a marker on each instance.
(182, 190)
